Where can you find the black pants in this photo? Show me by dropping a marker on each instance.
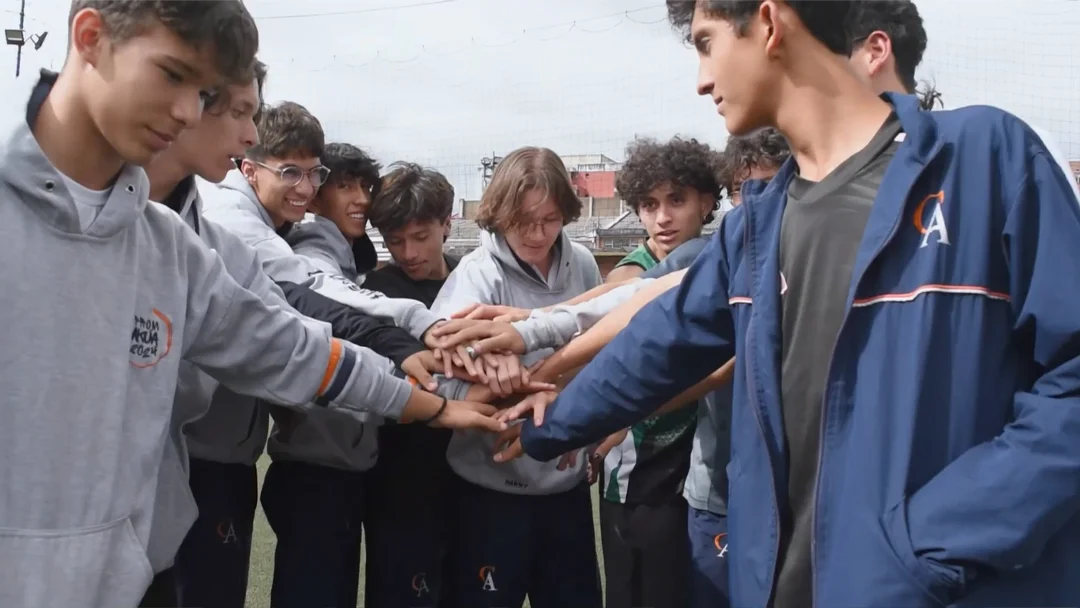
(163, 591)
(407, 519)
(646, 554)
(212, 565)
(317, 514)
(507, 546)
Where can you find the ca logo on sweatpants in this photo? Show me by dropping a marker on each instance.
(721, 544)
(419, 584)
(487, 578)
(227, 532)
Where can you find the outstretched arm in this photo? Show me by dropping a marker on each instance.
(264, 351)
(672, 343)
(582, 349)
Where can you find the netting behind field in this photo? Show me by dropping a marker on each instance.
(1020, 55)
(449, 82)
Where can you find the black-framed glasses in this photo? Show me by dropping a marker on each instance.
(293, 175)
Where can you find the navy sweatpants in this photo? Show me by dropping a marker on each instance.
(407, 519)
(317, 514)
(709, 571)
(507, 546)
(164, 592)
(212, 565)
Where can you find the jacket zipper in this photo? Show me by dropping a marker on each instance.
(923, 163)
(825, 411)
(761, 428)
(752, 391)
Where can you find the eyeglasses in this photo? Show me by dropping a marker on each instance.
(293, 175)
(527, 224)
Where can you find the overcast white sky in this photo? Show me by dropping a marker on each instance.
(447, 82)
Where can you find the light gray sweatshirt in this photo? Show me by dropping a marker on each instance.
(324, 438)
(492, 274)
(96, 323)
(234, 205)
(210, 421)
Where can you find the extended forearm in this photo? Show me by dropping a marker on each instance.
(353, 325)
(599, 290)
(582, 349)
(712, 382)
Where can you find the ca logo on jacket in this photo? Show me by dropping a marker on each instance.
(933, 222)
(151, 339)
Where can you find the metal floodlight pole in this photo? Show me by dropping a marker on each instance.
(18, 54)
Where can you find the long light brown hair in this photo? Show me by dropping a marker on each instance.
(521, 171)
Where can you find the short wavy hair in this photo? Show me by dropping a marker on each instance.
(411, 193)
(764, 148)
(684, 163)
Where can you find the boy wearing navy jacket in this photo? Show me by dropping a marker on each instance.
(906, 429)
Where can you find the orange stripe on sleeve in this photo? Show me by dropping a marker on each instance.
(331, 366)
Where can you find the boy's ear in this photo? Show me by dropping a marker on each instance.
(88, 35)
(248, 169)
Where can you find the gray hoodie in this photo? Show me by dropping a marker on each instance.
(209, 421)
(325, 438)
(234, 430)
(89, 379)
(321, 241)
(234, 205)
(492, 274)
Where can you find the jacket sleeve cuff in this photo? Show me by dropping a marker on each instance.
(537, 443)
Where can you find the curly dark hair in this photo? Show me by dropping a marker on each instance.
(347, 163)
(411, 193)
(684, 163)
(764, 148)
(828, 22)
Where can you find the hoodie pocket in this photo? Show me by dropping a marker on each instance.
(100, 566)
(174, 512)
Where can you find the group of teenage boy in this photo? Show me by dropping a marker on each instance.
(862, 390)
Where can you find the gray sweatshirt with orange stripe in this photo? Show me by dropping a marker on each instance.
(89, 381)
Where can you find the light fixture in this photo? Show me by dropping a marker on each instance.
(14, 37)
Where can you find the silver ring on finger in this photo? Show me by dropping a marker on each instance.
(470, 351)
